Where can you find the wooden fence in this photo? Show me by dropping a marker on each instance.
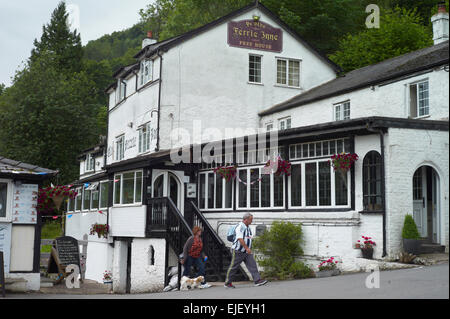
(83, 254)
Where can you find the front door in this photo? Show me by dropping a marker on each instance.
(420, 200)
(167, 184)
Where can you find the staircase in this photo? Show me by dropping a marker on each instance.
(164, 220)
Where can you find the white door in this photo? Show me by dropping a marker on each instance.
(420, 200)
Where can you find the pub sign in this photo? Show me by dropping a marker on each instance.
(254, 34)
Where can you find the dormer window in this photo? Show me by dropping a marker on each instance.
(284, 124)
(145, 72)
(90, 162)
(121, 90)
(342, 111)
(419, 99)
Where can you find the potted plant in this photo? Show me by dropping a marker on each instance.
(366, 247)
(100, 230)
(411, 236)
(328, 268)
(107, 277)
(283, 167)
(343, 162)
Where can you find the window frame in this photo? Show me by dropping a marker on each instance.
(206, 192)
(342, 116)
(288, 62)
(284, 121)
(120, 153)
(135, 203)
(303, 187)
(100, 194)
(144, 136)
(367, 181)
(143, 78)
(260, 57)
(418, 99)
(248, 190)
(89, 163)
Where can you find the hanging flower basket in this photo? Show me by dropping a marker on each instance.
(283, 167)
(228, 173)
(343, 162)
(51, 198)
(100, 230)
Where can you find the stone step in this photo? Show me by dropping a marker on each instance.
(431, 248)
(15, 284)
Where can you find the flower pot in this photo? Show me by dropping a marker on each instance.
(412, 246)
(327, 273)
(367, 253)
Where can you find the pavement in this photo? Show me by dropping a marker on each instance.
(357, 265)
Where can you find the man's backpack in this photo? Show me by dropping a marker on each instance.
(231, 235)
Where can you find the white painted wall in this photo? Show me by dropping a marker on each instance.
(211, 84)
(119, 268)
(407, 150)
(146, 277)
(128, 221)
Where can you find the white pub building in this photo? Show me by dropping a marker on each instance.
(248, 71)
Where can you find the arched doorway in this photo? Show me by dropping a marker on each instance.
(426, 203)
(167, 184)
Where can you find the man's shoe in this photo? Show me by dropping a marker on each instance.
(260, 282)
(229, 285)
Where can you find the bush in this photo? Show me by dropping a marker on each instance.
(409, 228)
(279, 247)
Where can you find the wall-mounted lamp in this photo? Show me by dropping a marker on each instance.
(130, 124)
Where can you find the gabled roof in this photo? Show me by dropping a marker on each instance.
(167, 44)
(374, 74)
(17, 168)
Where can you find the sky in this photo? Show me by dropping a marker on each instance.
(21, 22)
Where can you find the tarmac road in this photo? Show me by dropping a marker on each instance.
(428, 282)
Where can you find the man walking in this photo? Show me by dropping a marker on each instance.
(241, 252)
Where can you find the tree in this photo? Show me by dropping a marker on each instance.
(48, 117)
(58, 39)
(401, 31)
(2, 88)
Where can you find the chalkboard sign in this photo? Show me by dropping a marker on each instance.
(65, 252)
(68, 251)
(2, 274)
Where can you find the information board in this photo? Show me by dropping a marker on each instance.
(25, 204)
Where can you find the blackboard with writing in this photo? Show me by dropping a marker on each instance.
(68, 251)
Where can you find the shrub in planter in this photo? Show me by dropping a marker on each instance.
(411, 236)
(278, 249)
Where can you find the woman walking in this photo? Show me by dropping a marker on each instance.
(193, 255)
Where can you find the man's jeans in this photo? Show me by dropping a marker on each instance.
(198, 262)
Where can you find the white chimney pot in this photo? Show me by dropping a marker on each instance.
(440, 26)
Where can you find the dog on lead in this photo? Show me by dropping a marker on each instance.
(187, 283)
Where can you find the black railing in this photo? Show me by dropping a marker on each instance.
(218, 253)
(164, 220)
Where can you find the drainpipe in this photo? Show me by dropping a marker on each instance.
(159, 99)
(383, 184)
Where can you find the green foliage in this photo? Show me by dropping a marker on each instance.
(58, 39)
(50, 230)
(279, 247)
(48, 117)
(400, 32)
(409, 230)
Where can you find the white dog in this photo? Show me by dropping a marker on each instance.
(187, 283)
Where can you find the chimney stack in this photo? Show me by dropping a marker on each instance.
(148, 40)
(440, 24)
